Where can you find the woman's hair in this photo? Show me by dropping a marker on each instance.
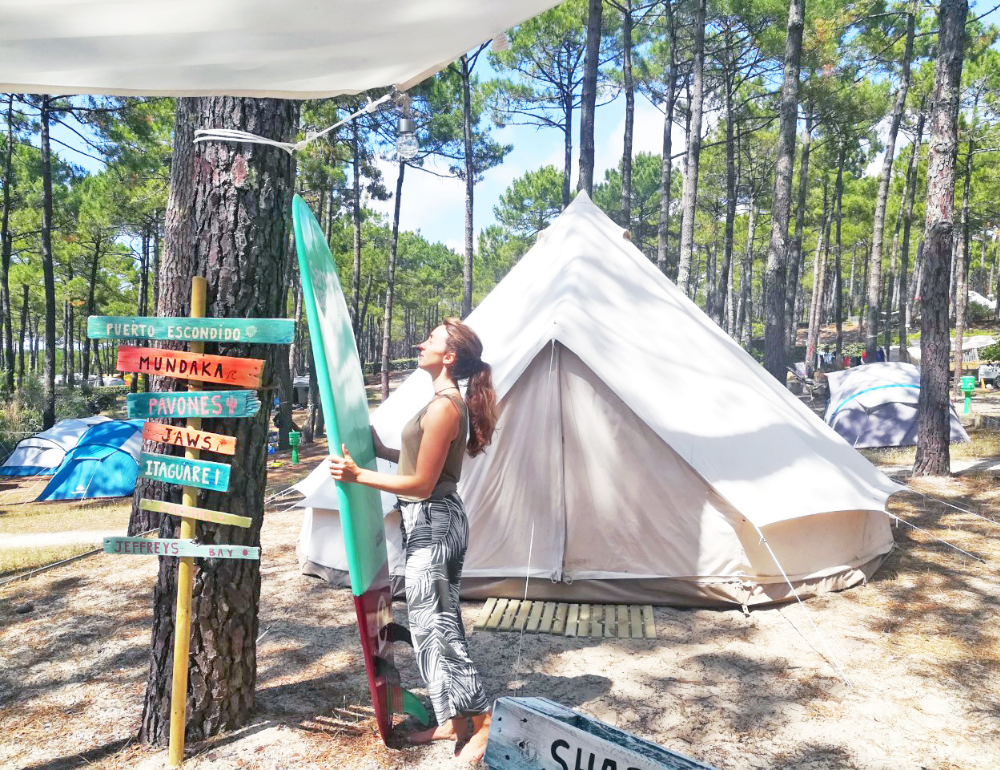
(479, 394)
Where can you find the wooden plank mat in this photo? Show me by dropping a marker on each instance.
(595, 621)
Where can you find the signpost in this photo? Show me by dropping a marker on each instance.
(195, 329)
(141, 546)
(189, 437)
(190, 472)
(242, 372)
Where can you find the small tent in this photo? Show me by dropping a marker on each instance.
(875, 405)
(641, 455)
(45, 451)
(105, 463)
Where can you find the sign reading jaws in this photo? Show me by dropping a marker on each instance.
(189, 438)
(226, 370)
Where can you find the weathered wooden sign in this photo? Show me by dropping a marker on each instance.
(180, 470)
(202, 514)
(246, 330)
(212, 403)
(225, 370)
(189, 438)
(539, 734)
(140, 546)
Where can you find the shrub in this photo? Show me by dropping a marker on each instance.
(990, 353)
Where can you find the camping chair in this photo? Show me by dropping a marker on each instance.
(809, 385)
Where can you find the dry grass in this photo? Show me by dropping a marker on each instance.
(984, 443)
(14, 560)
(69, 516)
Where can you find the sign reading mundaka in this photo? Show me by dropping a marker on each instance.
(182, 404)
(225, 370)
(254, 331)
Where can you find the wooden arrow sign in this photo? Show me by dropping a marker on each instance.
(140, 546)
(189, 438)
(246, 330)
(180, 470)
(202, 514)
(225, 370)
(215, 403)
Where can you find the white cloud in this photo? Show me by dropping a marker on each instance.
(432, 204)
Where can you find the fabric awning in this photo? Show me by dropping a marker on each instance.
(295, 49)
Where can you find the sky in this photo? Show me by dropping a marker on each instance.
(436, 206)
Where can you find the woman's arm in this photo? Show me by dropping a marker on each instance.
(440, 424)
(381, 450)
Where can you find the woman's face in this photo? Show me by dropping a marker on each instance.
(434, 352)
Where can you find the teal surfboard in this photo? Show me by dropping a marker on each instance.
(345, 410)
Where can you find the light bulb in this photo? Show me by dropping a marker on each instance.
(407, 145)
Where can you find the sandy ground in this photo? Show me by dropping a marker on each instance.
(919, 645)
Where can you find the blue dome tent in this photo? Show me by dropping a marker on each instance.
(105, 463)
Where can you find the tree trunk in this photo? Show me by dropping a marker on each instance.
(91, 307)
(227, 219)
(815, 305)
(141, 301)
(689, 196)
(878, 231)
(470, 181)
(727, 243)
(626, 200)
(795, 243)
(774, 275)
(838, 301)
(20, 337)
(905, 306)
(567, 147)
(6, 250)
(48, 274)
(743, 324)
(962, 254)
(356, 220)
(391, 285)
(933, 451)
(589, 96)
(663, 226)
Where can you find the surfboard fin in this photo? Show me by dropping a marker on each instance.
(413, 707)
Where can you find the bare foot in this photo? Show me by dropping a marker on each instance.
(452, 730)
(476, 747)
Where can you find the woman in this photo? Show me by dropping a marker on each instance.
(435, 527)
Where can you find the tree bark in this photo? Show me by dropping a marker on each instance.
(391, 285)
(589, 96)
(20, 338)
(905, 304)
(774, 274)
(689, 196)
(663, 226)
(6, 250)
(878, 231)
(48, 273)
(470, 181)
(626, 200)
(91, 308)
(819, 278)
(227, 219)
(933, 451)
(838, 301)
(962, 256)
(727, 243)
(743, 323)
(795, 243)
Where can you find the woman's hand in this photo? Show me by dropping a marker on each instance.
(344, 468)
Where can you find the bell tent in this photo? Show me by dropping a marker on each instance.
(44, 452)
(105, 463)
(641, 455)
(876, 405)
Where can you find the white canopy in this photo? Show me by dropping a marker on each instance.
(295, 49)
(640, 451)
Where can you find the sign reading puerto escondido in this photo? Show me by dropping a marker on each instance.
(254, 331)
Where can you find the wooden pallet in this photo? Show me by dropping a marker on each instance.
(619, 621)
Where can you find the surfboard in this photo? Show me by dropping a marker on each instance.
(345, 411)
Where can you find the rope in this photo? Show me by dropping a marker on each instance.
(951, 505)
(527, 577)
(830, 656)
(233, 135)
(935, 537)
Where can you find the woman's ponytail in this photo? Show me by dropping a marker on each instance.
(480, 397)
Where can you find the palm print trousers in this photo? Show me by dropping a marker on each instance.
(435, 536)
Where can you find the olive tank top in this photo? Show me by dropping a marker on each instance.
(413, 432)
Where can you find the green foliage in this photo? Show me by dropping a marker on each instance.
(990, 353)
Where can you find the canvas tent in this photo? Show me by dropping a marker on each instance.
(876, 405)
(297, 49)
(105, 463)
(45, 451)
(641, 455)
